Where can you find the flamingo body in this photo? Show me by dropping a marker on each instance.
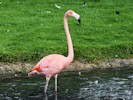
(51, 64)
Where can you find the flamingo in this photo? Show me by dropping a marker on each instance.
(53, 64)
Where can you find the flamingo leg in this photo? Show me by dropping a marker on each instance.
(56, 82)
(46, 85)
(55, 96)
(46, 97)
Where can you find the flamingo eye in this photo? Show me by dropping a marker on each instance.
(70, 14)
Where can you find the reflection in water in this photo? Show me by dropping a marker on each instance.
(46, 96)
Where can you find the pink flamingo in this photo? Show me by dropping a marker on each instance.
(53, 64)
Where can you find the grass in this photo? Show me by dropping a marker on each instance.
(31, 29)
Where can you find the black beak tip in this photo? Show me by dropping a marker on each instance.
(79, 20)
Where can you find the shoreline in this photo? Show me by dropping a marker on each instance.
(14, 69)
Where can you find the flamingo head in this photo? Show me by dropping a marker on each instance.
(71, 13)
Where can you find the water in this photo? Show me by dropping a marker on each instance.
(96, 85)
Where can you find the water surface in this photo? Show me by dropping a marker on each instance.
(96, 85)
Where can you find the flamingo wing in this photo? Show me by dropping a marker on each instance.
(50, 65)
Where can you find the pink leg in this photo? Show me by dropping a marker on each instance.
(47, 81)
(56, 82)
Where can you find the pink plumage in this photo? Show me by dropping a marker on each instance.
(53, 64)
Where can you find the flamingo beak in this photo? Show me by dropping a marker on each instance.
(79, 20)
(76, 16)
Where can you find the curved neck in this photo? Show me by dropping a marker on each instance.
(70, 46)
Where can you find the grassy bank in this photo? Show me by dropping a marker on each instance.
(31, 29)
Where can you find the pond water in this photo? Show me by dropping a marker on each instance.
(106, 84)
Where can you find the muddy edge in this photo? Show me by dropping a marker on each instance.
(16, 68)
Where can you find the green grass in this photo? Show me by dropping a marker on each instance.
(31, 29)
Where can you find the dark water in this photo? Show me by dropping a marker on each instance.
(96, 85)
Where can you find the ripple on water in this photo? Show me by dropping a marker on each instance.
(113, 89)
(119, 79)
(131, 77)
(30, 84)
